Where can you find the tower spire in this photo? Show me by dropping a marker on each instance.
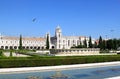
(58, 26)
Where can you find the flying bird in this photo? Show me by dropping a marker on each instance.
(112, 30)
(34, 20)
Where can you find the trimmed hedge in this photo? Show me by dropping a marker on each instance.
(53, 61)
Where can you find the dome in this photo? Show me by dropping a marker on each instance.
(58, 27)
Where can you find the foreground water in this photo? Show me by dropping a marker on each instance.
(86, 73)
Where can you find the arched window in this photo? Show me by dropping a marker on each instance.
(68, 42)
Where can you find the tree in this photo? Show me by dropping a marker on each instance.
(90, 42)
(20, 43)
(47, 42)
(11, 54)
(100, 45)
(85, 43)
(104, 44)
(115, 45)
(1, 54)
(112, 44)
(95, 45)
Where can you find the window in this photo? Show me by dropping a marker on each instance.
(78, 42)
(59, 45)
(59, 41)
(73, 41)
(59, 35)
(63, 41)
(68, 42)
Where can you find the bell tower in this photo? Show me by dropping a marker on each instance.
(58, 36)
(58, 32)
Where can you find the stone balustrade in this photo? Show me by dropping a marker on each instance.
(81, 51)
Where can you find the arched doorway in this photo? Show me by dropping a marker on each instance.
(27, 47)
(31, 47)
(42, 47)
(6, 47)
(23, 47)
(2, 47)
(38, 48)
(15, 47)
(53, 47)
(35, 47)
(11, 47)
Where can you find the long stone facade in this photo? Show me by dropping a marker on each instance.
(58, 41)
(9, 42)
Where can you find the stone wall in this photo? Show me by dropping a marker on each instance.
(71, 52)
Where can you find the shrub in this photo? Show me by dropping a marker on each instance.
(1, 54)
(11, 54)
(53, 61)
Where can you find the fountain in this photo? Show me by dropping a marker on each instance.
(33, 77)
(58, 74)
(115, 69)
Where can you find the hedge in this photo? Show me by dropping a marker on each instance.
(13, 62)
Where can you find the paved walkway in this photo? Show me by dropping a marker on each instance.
(118, 77)
(14, 54)
(55, 68)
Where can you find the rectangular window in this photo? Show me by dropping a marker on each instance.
(59, 41)
(59, 45)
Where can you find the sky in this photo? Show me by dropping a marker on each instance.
(75, 17)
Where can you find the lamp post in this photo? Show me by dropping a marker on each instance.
(106, 42)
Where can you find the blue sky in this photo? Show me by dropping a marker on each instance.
(76, 17)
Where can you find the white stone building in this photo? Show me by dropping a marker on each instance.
(57, 42)
(9, 42)
(66, 42)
